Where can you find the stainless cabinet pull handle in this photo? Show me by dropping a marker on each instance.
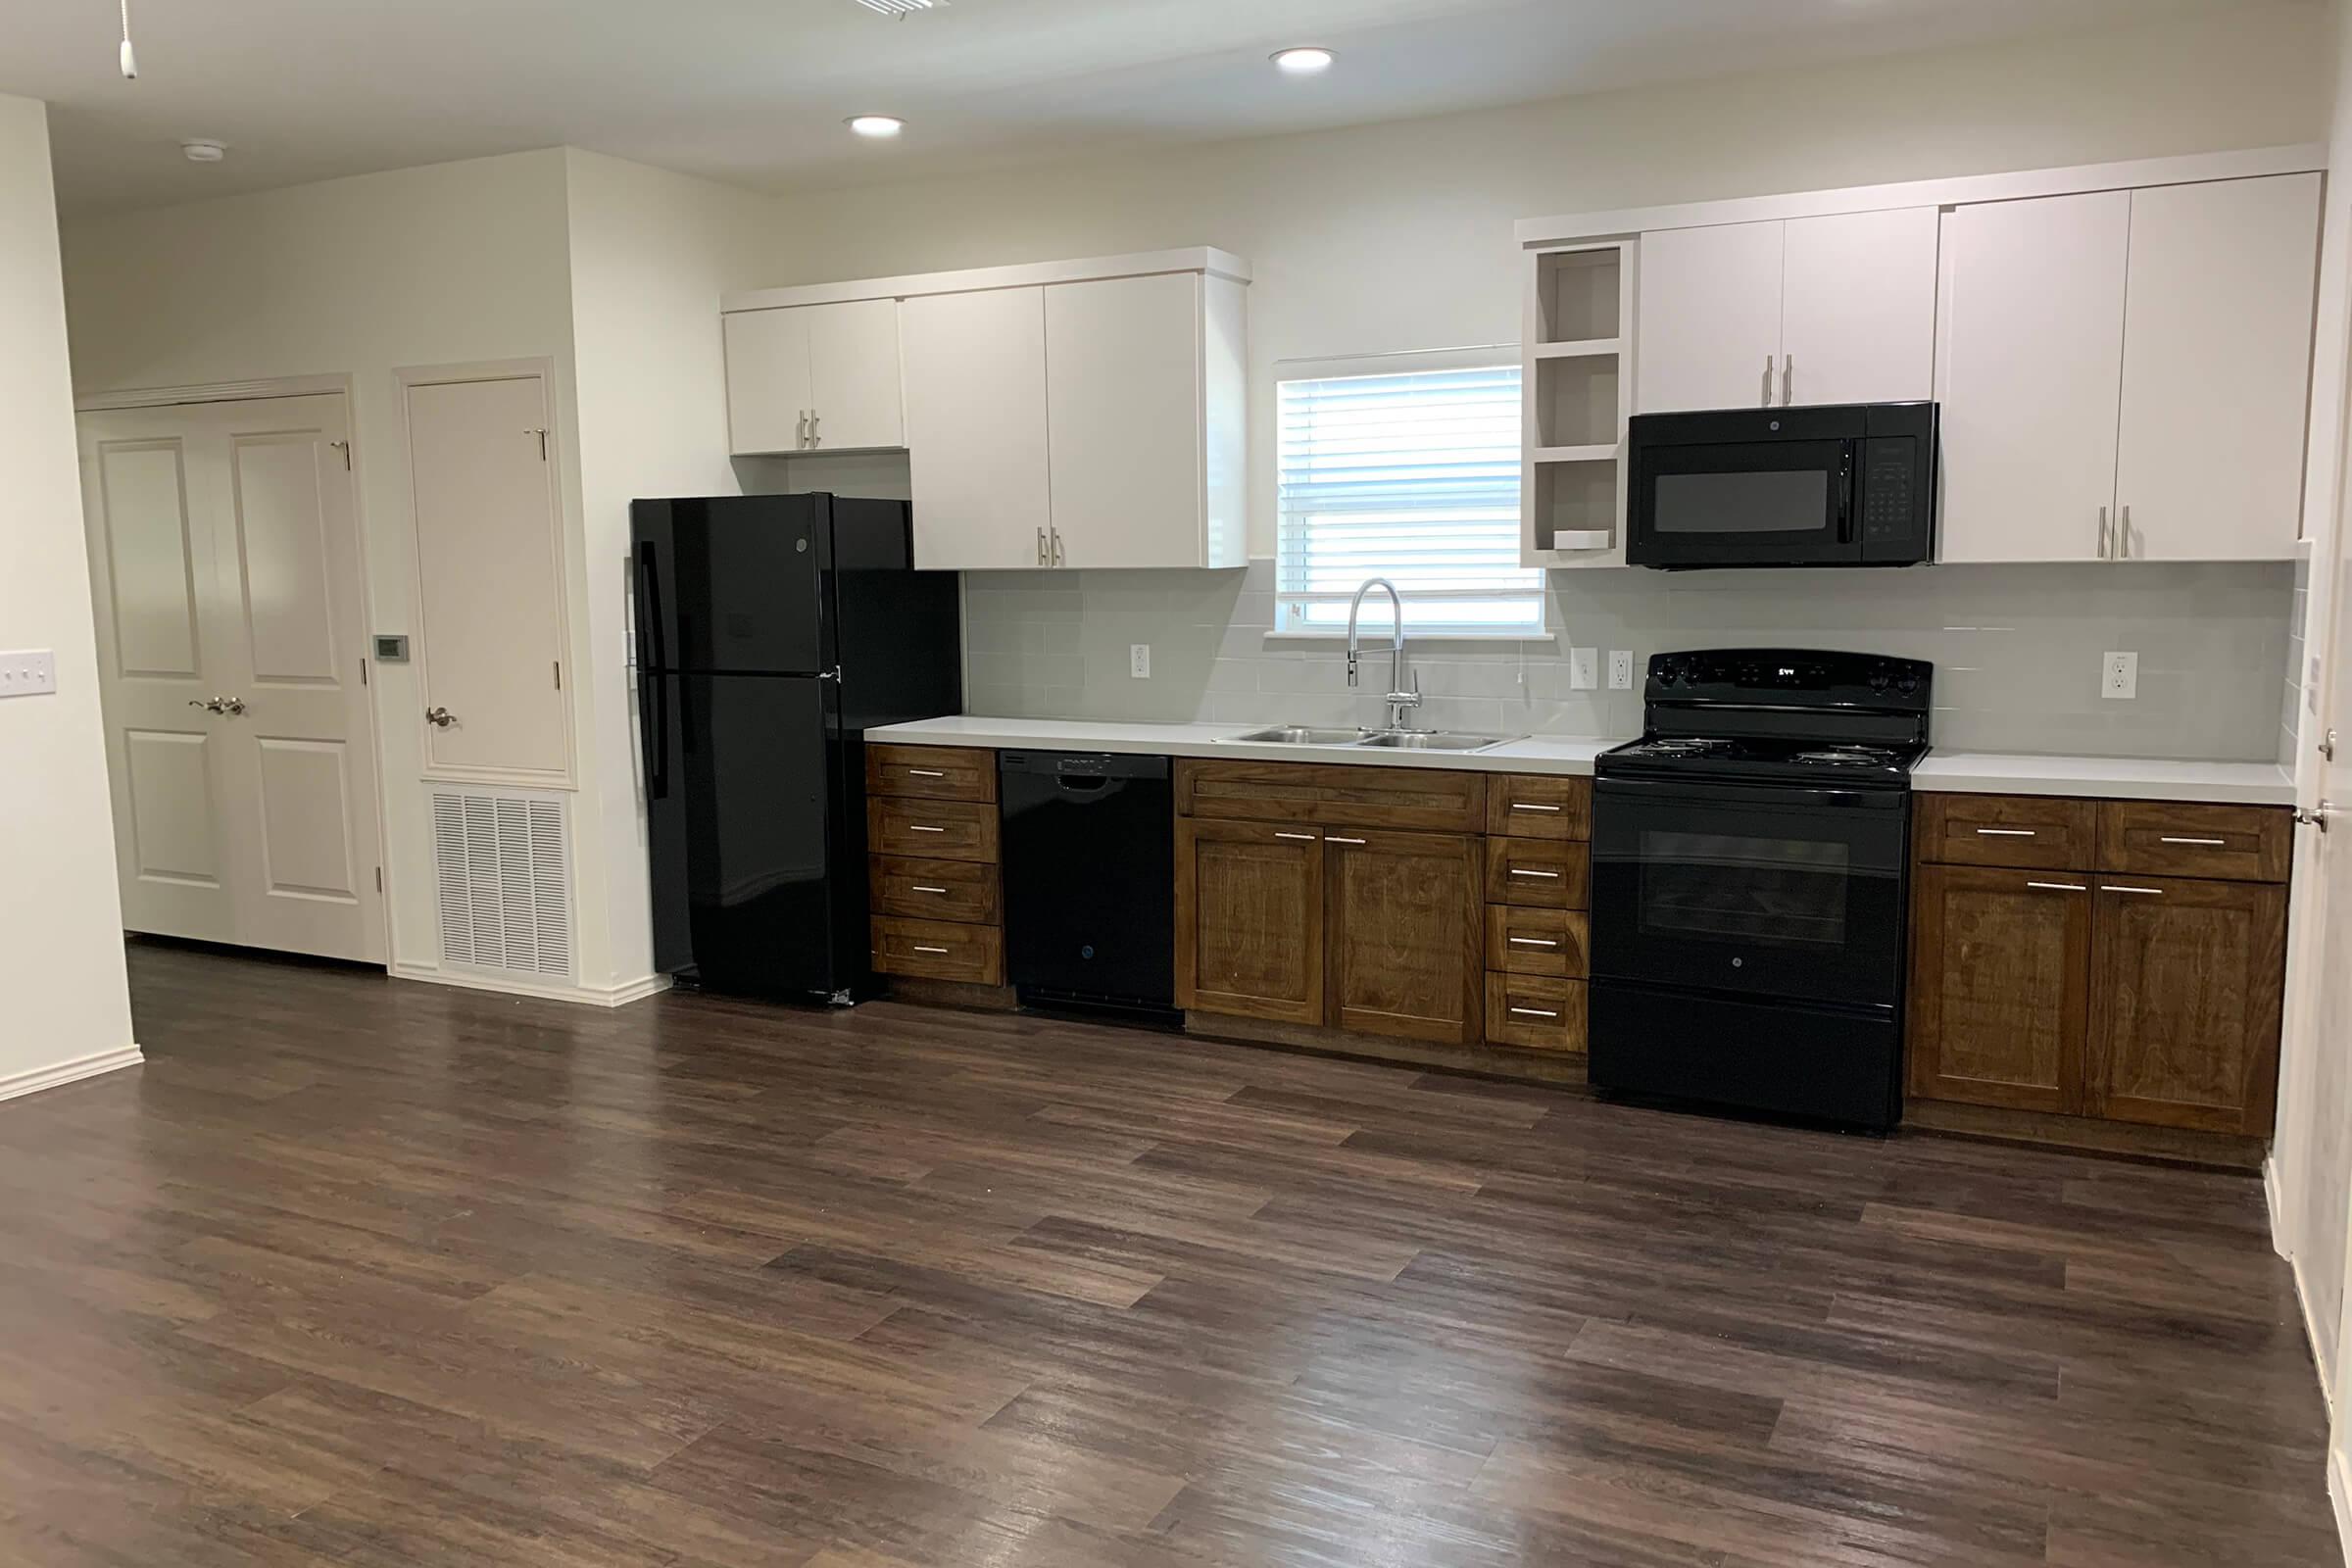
(800, 431)
(814, 438)
(1787, 379)
(920, 948)
(1534, 942)
(1059, 559)
(1336, 838)
(2106, 537)
(2123, 535)
(2059, 887)
(927, 772)
(1526, 806)
(1535, 1013)
(2005, 832)
(2211, 843)
(919, 888)
(2153, 893)
(1548, 876)
(918, 828)
(1309, 837)
(1043, 559)
(1768, 380)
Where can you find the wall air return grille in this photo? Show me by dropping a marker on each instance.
(503, 865)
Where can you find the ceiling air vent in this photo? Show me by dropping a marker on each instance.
(901, 8)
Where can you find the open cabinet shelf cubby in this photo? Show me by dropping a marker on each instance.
(1577, 394)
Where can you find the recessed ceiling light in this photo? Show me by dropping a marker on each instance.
(1308, 61)
(877, 124)
(203, 151)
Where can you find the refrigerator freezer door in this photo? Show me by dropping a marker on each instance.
(734, 584)
(741, 838)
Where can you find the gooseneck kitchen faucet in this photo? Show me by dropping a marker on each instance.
(1401, 698)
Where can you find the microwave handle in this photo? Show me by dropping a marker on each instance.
(1845, 493)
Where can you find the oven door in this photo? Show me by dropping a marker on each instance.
(1774, 891)
(1771, 502)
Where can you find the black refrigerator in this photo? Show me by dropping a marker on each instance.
(772, 632)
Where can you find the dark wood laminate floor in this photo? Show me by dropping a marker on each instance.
(370, 1273)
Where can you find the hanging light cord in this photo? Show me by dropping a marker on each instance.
(131, 62)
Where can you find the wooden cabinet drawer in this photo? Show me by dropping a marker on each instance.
(1540, 873)
(933, 890)
(1535, 1012)
(1535, 805)
(1525, 941)
(933, 830)
(2031, 831)
(931, 772)
(937, 950)
(2167, 838)
(1332, 793)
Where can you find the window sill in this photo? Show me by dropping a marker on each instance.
(1371, 640)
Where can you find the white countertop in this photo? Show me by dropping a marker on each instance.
(1952, 772)
(2115, 778)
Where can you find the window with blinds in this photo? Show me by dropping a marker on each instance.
(1412, 476)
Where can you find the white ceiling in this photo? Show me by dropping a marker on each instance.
(755, 91)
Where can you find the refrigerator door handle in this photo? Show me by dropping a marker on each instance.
(649, 608)
(653, 695)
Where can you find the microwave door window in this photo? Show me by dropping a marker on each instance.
(1784, 502)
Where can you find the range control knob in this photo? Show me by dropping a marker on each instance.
(1907, 683)
(1880, 680)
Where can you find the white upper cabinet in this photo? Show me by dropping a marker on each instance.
(815, 378)
(1710, 327)
(1839, 309)
(2030, 376)
(2216, 350)
(1858, 308)
(975, 367)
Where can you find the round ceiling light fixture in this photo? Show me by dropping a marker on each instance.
(876, 126)
(203, 151)
(1307, 60)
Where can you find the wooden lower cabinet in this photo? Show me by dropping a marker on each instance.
(1249, 920)
(2000, 974)
(1403, 935)
(2184, 1003)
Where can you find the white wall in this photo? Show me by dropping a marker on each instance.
(455, 262)
(62, 990)
(1398, 236)
(651, 253)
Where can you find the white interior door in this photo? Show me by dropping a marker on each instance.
(1123, 404)
(1710, 329)
(490, 583)
(2329, 1031)
(2031, 375)
(225, 563)
(853, 394)
(975, 377)
(768, 382)
(2217, 358)
(1858, 308)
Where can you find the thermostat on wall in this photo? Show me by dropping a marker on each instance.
(391, 650)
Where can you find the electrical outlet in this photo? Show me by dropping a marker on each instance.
(1621, 669)
(1139, 661)
(30, 673)
(1584, 664)
(2119, 676)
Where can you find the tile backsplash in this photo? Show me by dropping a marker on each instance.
(2015, 650)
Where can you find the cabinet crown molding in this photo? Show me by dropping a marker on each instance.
(1028, 274)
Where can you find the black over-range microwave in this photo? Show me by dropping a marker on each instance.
(1839, 485)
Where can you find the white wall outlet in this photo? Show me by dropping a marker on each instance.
(32, 672)
(2119, 676)
(1621, 669)
(1139, 661)
(1584, 668)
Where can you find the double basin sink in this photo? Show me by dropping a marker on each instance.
(1393, 740)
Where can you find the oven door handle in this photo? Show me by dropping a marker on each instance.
(1714, 793)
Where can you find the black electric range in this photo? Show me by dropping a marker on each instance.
(1750, 865)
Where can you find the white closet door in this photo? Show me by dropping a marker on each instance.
(1710, 327)
(1858, 308)
(2031, 375)
(226, 557)
(854, 395)
(2217, 355)
(975, 376)
(768, 385)
(1123, 414)
(490, 606)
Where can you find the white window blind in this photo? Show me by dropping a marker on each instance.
(1412, 476)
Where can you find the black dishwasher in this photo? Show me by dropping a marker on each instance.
(1090, 881)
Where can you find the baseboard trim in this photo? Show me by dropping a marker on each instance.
(36, 1079)
(2340, 1496)
(619, 996)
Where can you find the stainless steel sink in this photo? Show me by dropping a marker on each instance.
(1300, 735)
(1428, 740)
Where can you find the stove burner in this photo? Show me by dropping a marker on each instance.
(1848, 757)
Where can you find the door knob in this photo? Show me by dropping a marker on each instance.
(211, 707)
(232, 705)
(439, 717)
(2318, 816)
